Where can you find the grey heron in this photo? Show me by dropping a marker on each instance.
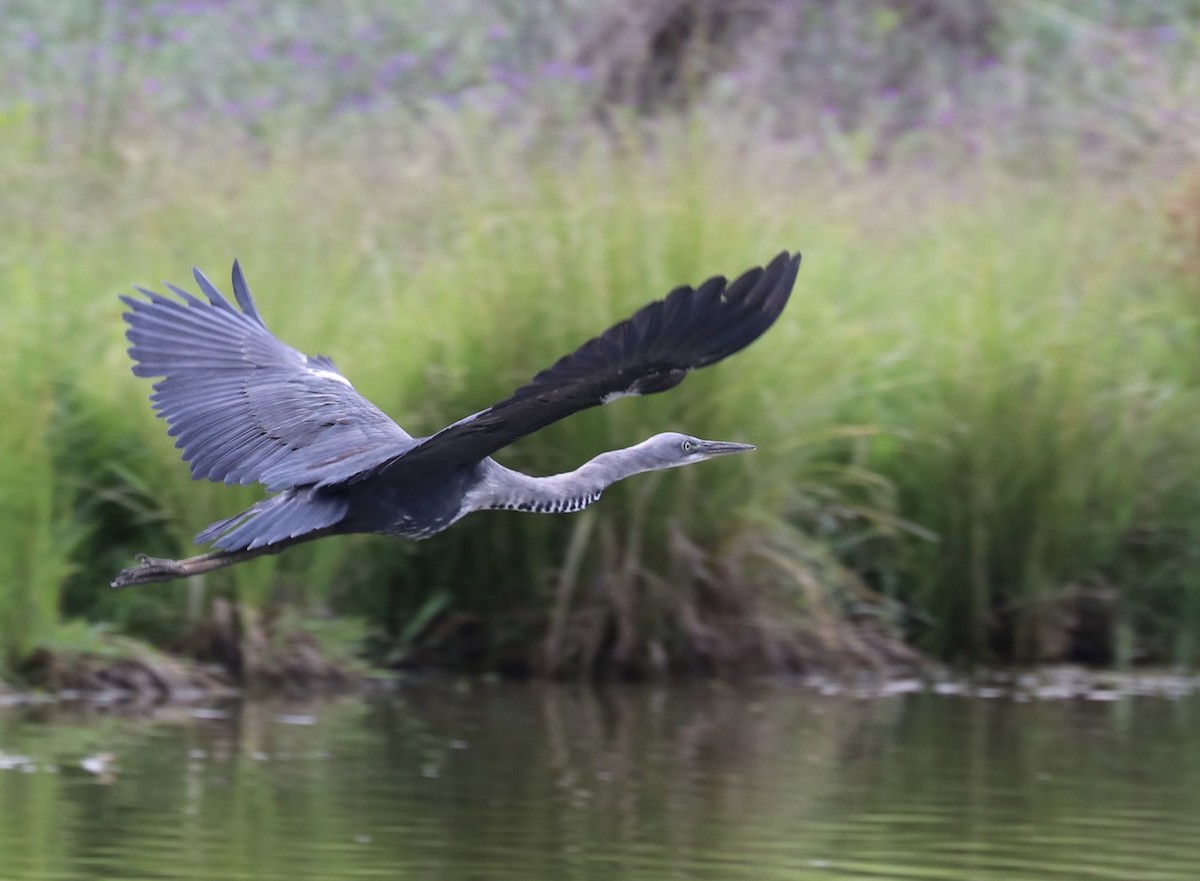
(245, 407)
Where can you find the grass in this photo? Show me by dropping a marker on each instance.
(972, 419)
(35, 506)
(1043, 407)
(975, 420)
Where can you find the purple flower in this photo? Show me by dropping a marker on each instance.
(303, 55)
(369, 33)
(396, 65)
(509, 78)
(193, 7)
(559, 70)
(443, 63)
(355, 101)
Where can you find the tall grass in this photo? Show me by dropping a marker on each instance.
(1044, 410)
(35, 505)
(974, 420)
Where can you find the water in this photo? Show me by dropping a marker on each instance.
(701, 782)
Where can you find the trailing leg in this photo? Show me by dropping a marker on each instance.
(150, 569)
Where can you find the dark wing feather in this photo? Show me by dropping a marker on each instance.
(245, 407)
(649, 352)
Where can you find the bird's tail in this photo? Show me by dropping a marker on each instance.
(289, 515)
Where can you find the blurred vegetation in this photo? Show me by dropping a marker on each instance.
(975, 421)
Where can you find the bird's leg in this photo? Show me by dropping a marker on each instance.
(151, 569)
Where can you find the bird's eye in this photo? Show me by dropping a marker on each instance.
(688, 446)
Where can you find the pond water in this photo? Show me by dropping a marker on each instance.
(485, 781)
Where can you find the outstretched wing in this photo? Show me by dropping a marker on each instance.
(243, 406)
(649, 352)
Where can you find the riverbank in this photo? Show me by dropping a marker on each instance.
(152, 679)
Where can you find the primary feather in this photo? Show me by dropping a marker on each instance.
(649, 352)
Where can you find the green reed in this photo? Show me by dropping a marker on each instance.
(1040, 414)
(974, 420)
(35, 503)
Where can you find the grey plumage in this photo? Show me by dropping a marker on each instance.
(246, 408)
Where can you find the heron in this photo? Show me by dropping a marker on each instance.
(244, 407)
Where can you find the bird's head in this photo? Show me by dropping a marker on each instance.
(672, 449)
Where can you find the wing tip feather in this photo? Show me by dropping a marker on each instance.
(241, 292)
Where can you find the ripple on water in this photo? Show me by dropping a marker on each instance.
(536, 783)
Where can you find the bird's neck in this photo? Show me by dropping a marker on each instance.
(503, 488)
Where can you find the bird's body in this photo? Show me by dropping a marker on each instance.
(247, 408)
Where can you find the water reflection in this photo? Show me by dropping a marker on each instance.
(705, 782)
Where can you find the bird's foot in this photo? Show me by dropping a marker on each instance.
(150, 569)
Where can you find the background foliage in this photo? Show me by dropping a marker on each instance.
(976, 419)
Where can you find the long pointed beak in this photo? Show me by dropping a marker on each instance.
(724, 448)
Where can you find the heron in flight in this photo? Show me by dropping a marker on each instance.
(247, 408)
